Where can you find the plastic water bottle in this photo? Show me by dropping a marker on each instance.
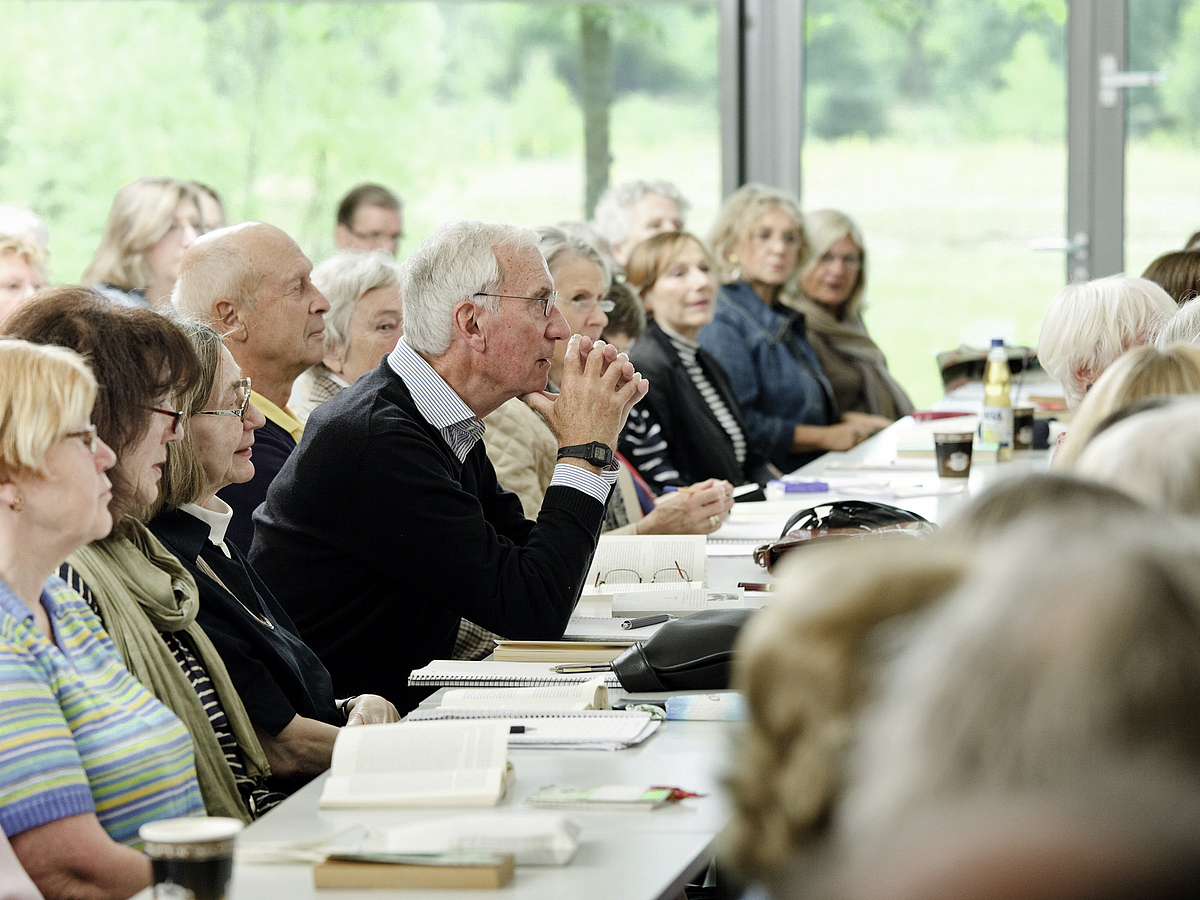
(997, 401)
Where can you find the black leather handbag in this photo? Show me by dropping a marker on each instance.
(839, 520)
(694, 653)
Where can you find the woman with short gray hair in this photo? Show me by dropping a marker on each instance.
(361, 327)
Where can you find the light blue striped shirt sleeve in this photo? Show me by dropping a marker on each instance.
(446, 411)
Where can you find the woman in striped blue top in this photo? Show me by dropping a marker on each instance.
(87, 754)
(689, 427)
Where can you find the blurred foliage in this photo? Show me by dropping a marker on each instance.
(283, 106)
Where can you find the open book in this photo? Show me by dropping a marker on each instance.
(419, 764)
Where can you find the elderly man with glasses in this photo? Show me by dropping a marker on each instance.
(387, 525)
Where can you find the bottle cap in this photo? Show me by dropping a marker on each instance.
(997, 342)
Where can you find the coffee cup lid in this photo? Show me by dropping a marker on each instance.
(190, 830)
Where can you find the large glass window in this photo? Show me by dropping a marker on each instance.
(939, 125)
(465, 109)
(1162, 162)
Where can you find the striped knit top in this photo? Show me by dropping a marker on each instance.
(687, 355)
(78, 733)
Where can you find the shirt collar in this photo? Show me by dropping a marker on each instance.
(216, 516)
(15, 606)
(433, 396)
(677, 338)
(280, 415)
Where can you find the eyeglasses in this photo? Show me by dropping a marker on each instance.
(242, 394)
(673, 573)
(88, 436)
(850, 260)
(176, 417)
(584, 307)
(547, 302)
(376, 237)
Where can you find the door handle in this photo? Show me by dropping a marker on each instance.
(1113, 80)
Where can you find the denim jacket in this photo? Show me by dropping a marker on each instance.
(774, 371)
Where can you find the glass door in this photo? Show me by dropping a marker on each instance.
(1162, 130)
(940, 128)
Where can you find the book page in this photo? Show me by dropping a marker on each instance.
(418, 763)
(408, 747)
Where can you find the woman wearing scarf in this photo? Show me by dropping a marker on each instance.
(832, 282)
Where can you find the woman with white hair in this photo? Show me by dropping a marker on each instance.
(629, 213)
(832, 283)
(361, 327)
(151, 222)
(1089, 325)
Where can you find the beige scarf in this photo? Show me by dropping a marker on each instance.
(847, 339)
(142, 589)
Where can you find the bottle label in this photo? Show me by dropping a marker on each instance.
(997, 425)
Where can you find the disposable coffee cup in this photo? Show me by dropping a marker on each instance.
(191, 859)
(953, 453)
(1022, 427)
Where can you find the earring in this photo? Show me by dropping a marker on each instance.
(736, 272)
(18, 504)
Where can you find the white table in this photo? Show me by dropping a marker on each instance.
(632, 856)
(731, 547)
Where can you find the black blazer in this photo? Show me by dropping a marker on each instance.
(696, 443)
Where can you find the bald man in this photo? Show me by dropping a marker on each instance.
(251, 282)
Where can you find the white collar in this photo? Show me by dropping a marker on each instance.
(216, 518)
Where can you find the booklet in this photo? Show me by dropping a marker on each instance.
(574, 696)
(455, 763)
(557, 651)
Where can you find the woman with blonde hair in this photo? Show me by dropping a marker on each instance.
(21, 273)
(689, 427)
(832, 283)
(151, 222)
(792, 416)
(803, 666)
(88, 753)
(1140, 372)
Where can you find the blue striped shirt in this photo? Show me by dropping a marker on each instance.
(461, 429)
(78, 733)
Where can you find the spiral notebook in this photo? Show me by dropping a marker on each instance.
(489, 673)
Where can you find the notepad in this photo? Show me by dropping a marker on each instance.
(419, 764)
(583, 730)
(606, 630)
(489, 673)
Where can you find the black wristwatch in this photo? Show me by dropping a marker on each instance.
(596, 453)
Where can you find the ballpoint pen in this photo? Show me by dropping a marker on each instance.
(645, 621)
(576, 668)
